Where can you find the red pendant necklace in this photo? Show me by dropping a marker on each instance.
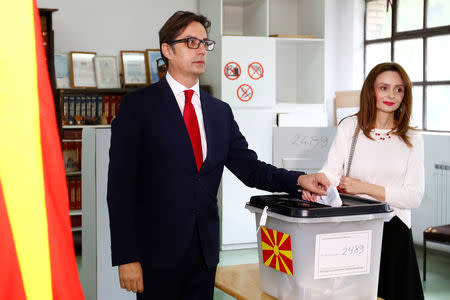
(383, 136)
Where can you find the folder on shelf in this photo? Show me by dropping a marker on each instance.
(71, 157)
(83, 105)
(71, 108)
(88, 101)
(94, 106)
(99, 105)
(78, 105)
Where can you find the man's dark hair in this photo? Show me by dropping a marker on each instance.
(176, 24)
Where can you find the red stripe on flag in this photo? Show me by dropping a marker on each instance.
(282, 268)
(265, 238)
(286, 245)
(288, 263)
(267, 254)
(273, 263)
(65, 280)
(11, 285)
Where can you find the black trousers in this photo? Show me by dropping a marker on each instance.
(399, 273)
(191, 280)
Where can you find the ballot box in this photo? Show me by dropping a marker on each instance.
(310, 251)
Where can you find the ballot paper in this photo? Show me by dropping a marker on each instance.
(332, 199)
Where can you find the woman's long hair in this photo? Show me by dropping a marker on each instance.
(368, 103)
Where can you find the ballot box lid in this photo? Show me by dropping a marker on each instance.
(294, 206)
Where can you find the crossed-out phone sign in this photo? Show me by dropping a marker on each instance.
(232, 70)
(245, 92)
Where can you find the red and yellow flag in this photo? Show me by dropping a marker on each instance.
(277, 250)
(36, 248)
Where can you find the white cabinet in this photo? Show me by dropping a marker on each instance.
(269, 60)
(297, 17)
(238, 224)
(100, 280)
(244, 17)
(249, 73)
(300, 71)
(296, 27)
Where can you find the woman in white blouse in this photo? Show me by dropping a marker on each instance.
(387, 165)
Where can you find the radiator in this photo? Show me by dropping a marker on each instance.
(441, 191)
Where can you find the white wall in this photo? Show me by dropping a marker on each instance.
(108, 26)
(431, 212)
(344, 48)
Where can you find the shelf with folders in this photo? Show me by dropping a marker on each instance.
(48, 36)
(71, 148)
(89, 106)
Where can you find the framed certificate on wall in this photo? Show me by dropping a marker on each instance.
(62, 70)
(156, 66)
(134, 66)
(82, 68)
(106, 72)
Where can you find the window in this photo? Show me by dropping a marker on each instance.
(416, 35)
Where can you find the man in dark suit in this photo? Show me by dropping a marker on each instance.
(170, 142)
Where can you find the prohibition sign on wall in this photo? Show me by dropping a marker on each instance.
(232, 70)
(255, 70)
(244, 92)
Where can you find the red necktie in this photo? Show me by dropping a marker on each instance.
(190, 118)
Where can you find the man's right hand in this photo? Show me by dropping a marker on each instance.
(316, 183)
(130, 276)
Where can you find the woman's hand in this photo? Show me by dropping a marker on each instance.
(351, 185)
(354, 186)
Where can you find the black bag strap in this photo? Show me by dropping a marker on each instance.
(352, 149)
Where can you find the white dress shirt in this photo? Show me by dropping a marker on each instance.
(178, 90)
(389, 163)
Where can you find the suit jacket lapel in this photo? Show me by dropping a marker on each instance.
(204, 100)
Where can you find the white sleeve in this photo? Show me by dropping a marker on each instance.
(334, 166)
(410, 193)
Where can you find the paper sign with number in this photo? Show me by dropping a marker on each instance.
(342, 254)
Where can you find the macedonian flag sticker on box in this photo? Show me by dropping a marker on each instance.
(277, 250)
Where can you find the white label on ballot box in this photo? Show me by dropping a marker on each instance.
(342, 254)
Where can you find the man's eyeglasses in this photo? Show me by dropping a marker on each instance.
(194, 43)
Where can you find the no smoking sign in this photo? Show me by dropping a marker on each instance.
(245, 92)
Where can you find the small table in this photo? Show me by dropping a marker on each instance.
(242, 282)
